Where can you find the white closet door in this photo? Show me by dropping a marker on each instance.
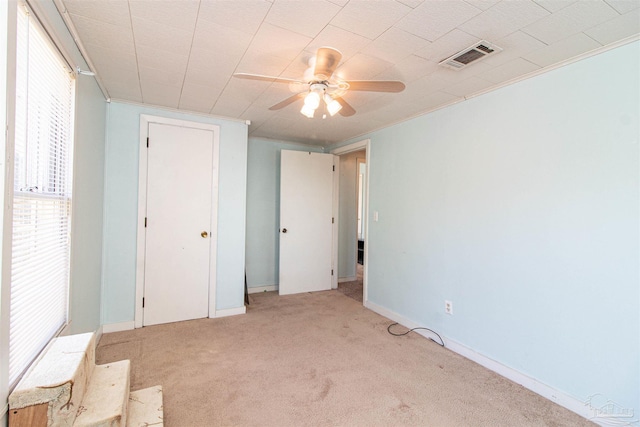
(179, 206)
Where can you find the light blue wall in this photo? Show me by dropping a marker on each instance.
(88, 192)
(121, 205)
(521, 206)
(263, 208)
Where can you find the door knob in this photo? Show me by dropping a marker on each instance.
(284, 230)
(204, 234)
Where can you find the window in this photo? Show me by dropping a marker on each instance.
(41, 195)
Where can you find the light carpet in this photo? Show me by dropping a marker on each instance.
(318, 359)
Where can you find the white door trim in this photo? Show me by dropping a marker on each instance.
(356, 146)
(364, 144)
(334, 231)
(145, 119)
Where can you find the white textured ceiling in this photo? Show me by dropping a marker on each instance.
(182, 53)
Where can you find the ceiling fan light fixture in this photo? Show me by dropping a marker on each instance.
(312, 100)
(307, 111)
(333, 106)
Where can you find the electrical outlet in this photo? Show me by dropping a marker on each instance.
(448, 307)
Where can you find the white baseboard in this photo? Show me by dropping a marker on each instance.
(258, 289)
(562, 399)
(99, 333)
(231, 311)
(128, 326)
(347, 279)
(556, 396)
(118, 327)
(66, 330)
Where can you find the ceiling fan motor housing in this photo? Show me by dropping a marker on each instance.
(318, 87)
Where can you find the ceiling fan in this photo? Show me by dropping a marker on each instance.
(319, 84)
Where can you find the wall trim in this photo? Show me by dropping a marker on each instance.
(297, 144)
(335, 211)
(66, 330)
(544, 390)
(548, 392)
(117, 327)
(230, 312)
(258, 289)
(364, 144)
(99, 332)
(130, 325)
(349, 148)
(176, 110)
(347, 279)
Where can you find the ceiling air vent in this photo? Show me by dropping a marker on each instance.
(471, 54)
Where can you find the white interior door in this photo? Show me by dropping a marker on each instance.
(179, 206)
(306, 228)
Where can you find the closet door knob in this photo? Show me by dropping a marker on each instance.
(204, 234)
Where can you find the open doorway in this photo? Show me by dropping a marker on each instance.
(352, 220)
(361, 194)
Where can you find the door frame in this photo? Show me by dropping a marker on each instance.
(145, 120)
(349, 148)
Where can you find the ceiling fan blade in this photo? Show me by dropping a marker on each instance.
(298, 87)
(327, 60)
(376, 85)
(289, 100)
(266, 78)
(346, 110)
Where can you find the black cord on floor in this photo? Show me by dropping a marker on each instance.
(441, 343)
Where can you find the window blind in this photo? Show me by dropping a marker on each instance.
(41, 195)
